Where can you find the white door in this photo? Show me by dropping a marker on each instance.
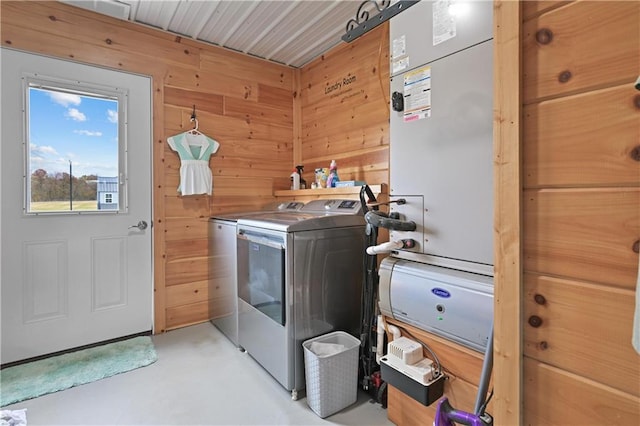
(74, 277)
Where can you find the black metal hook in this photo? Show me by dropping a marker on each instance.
(194, 119)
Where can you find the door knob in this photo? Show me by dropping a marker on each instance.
(142, 225)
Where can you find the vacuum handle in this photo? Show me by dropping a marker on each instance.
(371, 198)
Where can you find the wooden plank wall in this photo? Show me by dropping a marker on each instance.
(344, 101)
(507, 244)
(581, 205)
(247, 105)
(244, 103)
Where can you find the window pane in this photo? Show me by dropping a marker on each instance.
(73, 150)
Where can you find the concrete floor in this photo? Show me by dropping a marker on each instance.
(199, 378)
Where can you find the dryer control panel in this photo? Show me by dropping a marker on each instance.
(334, 206)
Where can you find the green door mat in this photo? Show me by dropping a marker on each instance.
(49, 375)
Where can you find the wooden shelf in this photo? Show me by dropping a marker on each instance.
(345, 190)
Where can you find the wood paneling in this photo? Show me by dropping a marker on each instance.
(193, 292)
(185, 207)
(592, 44)
(583, 233)
(186, 249)
(183, 315)
(159, 228)
(587, 139)
(581, 213)
(186, 271)
(557, 397)
(532, 8)
(186, 229)
(275, 97)
(224, 85)
(189, 98)
(238, 203)
(297, 120)
(248, 185)
(185, 294)
(253, 69)
(345, 138)
(507, 236)
(259, 112)
(583, 334)
(345, 110)
(90, 37)
(247, 106)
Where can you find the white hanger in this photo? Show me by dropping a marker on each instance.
(195, 130)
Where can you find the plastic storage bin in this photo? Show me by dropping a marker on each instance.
(331, 380)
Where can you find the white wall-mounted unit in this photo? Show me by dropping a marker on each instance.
(441, 165)
(441, 141)
(454, 304)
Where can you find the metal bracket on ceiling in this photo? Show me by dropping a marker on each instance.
(363, 23)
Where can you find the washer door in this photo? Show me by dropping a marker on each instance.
(263, 326)
(261, 274)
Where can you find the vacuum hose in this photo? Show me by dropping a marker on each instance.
(381, 220)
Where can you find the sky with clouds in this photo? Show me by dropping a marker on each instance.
(67, 127)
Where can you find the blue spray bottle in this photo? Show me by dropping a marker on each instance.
(333, 175)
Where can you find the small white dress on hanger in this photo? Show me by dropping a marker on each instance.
(194, 150)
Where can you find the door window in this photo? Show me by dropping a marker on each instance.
(74, 149)
(261, 275)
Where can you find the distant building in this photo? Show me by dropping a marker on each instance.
(107, 193)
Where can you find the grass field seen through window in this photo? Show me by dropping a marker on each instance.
(63, 206)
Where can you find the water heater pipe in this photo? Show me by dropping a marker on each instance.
(385, 247)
